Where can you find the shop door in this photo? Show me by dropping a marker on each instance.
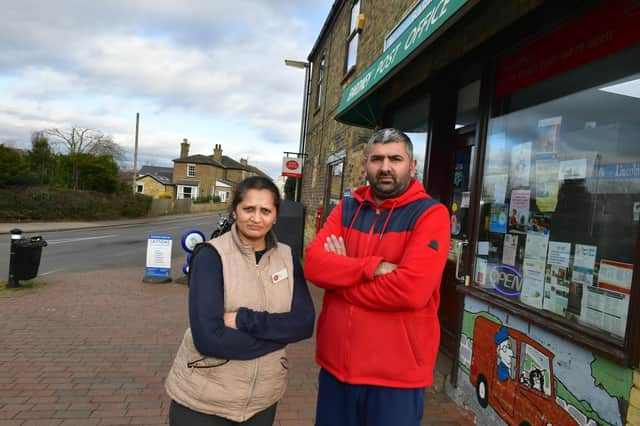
(456, 195)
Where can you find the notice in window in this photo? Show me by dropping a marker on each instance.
(615, 276)
(533, 283)
(557, 281)
(573, 169)
(519, 208)
(605, 309)
(536, 247)
(509, 249)
(521, 165)
(546, 183)
(584, 261)
(549, 134)
(498, 219)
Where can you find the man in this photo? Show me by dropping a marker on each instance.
(380, 258)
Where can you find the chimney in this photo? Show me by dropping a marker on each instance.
(184, 148)
(243, 161)
(217, 152)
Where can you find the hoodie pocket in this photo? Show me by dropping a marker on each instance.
(412, 330)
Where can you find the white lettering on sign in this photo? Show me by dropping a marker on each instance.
(359, 86)
(430, 19)
(386, 62)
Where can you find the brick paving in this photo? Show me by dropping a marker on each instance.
(94, 349)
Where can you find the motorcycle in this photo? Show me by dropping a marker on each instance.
(224, 225)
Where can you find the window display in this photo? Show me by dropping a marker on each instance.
(560, 201)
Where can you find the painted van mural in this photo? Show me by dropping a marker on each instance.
(515, 373)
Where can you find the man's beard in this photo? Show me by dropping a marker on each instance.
(388, 190)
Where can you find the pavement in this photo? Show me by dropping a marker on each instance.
(94, 348)
(30, 227)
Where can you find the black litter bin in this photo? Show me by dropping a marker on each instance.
(27, 257)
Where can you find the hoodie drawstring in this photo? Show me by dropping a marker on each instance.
(355, 216)
(386, 221)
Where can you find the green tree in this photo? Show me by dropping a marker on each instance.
(290, 189)
(77, 141)
(40, 160)
(97, 173)
(12, 168)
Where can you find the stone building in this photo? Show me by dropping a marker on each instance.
(523, 108)
(197, 175)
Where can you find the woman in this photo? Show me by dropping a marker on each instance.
(247, 300)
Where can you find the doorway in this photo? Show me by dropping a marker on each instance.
(456, 196)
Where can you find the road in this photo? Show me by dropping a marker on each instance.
(106, 248)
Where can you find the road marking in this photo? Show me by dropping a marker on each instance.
(50, 272)
(73, 240)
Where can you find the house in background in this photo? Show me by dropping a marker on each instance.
(154, 181)
(198, 175)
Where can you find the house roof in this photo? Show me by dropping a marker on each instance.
(331, 17)
(186, 182)
(224, 182)
(225, 163)
(161, 174)
(200, 159)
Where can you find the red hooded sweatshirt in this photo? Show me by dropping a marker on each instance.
(381, 330)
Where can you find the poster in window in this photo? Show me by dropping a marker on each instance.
(532, 283)
(540, 223)
(498, 218)
(497, 154)
(605, 309)
(494, 189)
(557, 279)
(509, 249)
(584, 260)
(615, 276)
(548, 134)
(519, 209)
(573, 169)
(546, 183)
(521, 165)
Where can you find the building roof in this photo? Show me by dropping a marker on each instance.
(187, 182)
(224, 182)
(225, 163)
(161, 174)
(331, 17)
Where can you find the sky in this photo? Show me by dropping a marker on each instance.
(211, 71)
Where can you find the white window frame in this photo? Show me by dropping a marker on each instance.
(353, 37)
(140, 188)
(180, 192)
(191, 170)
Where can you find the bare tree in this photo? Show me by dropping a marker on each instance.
(82, 140)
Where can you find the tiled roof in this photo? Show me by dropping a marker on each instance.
(161, 174)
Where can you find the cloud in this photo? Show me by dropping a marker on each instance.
(97, 63)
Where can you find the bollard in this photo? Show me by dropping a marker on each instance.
(16, 235)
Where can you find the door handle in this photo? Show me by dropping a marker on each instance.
(460, 245)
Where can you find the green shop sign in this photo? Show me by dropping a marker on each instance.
(433, 16)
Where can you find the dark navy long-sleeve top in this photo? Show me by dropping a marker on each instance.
(258, 333)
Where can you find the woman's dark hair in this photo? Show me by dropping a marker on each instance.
(254, 182)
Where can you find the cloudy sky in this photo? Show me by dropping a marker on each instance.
(211, 71)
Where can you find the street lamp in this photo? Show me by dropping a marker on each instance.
(305, 113)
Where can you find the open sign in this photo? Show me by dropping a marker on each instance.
(506, 280)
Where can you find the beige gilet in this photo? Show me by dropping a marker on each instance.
(236, 389)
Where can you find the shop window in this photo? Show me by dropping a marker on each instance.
(335, 185)
(560, 203)
(352, 39)
(320, 83)
(467, 107)
(191, 170)
(412, 117)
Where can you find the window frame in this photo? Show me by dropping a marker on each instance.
(140, 188)
(190, 167)
(320, 81)
(353, 34)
